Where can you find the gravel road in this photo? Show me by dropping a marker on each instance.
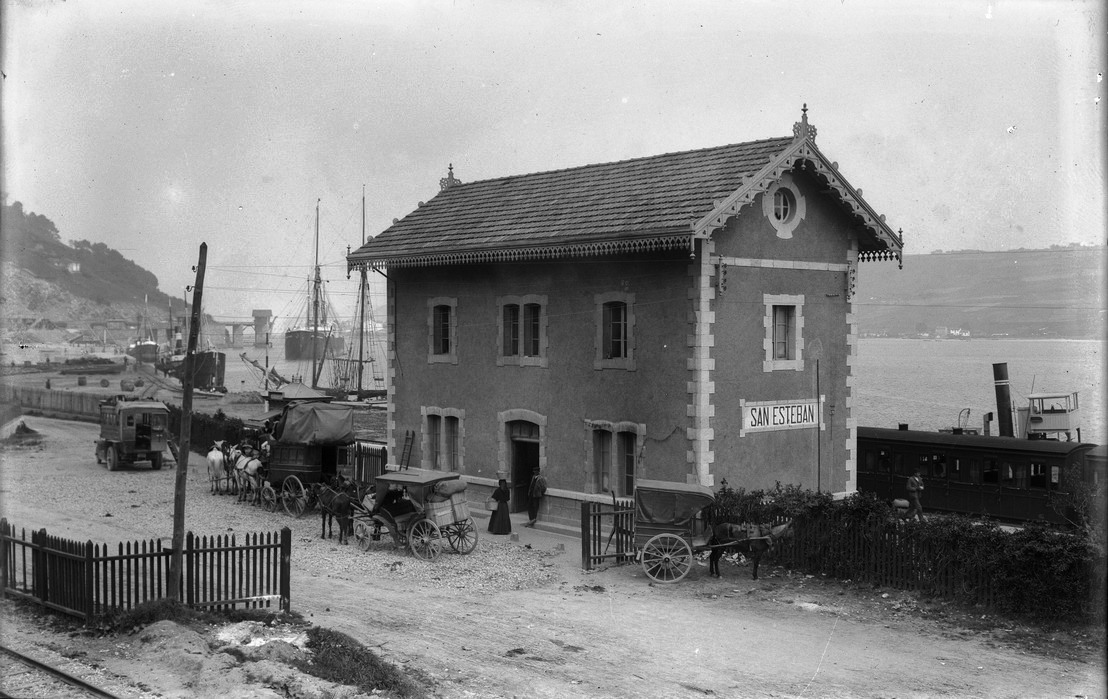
(519, 618)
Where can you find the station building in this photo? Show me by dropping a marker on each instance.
(681, 317)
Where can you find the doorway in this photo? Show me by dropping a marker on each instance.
(523, 437)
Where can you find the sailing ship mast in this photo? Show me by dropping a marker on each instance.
(315, 301)
(361, 300)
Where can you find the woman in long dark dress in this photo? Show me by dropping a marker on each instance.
(501, 521)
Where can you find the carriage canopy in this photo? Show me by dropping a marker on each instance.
(670, 503)
(315, 424)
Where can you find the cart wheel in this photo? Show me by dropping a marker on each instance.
(462, 536)
(269, 498)
(425, 540)
(363, 534)
(113, 459)
(666, 558)
(293, 497)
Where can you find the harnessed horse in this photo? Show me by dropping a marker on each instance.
(218, 472)
(752, 541)
(334, 504)
(249, 471)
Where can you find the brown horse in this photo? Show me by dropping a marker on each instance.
(737, 537)
(333, 504)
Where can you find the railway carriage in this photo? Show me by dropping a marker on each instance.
(1008, 479)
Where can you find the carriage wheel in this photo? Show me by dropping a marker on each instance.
(425, 540)
(156, 461)
(269, 498)
(666, 558)
(362, 533)
(113, 459)
(462, 536)
(293, 497)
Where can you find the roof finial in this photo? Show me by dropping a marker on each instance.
(448, 181)
(802, 129)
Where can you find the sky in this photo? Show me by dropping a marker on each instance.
(154, 126)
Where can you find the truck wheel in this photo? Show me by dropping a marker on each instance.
(156, 462)
(113, 459)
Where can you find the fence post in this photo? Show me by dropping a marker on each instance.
(4, 534)
(586, 537)
(286, 567)
(90, 605)
(189, 574)
(38, 561)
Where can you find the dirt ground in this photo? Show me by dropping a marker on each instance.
(520, 618)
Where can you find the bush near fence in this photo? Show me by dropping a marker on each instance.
(1034, 571)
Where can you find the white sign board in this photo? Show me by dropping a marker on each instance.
(766, 416)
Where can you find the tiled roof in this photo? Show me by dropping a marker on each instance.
(641, 199)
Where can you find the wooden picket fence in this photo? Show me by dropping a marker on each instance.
(86, 580)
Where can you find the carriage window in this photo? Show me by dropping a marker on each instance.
(898, 465)
(130, 420)
(870, 461)
(991, 474)
(1056, 476)
(963, 471)
(884, 461)
(1037, 478)
(1015, 475)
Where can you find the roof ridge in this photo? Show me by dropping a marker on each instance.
(625, 161)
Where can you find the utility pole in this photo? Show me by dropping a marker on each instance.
(175, 567)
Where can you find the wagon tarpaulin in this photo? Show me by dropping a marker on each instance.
(316, 424)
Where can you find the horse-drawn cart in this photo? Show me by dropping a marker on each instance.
(673, 522)
(417, 508)
(311, 445)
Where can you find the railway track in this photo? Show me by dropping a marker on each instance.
(23, 676)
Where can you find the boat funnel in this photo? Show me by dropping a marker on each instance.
(1003, 399)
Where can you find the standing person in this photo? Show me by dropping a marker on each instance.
(535, 494)
(501, 521)
(915, 491)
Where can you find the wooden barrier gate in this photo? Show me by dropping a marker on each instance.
(607, 532)
(86, 580)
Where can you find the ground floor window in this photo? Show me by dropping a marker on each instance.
(614, 450)
(442, 441)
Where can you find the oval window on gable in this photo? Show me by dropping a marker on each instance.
(784, 206)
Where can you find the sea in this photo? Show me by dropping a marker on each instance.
(923, 383)
(927, 383)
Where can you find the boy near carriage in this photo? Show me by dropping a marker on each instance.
(915, 492)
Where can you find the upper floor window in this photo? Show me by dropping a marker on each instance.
(522, 330)
(442, 330)
(784, 332)
(615, 332)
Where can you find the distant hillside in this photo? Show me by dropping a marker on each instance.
(47, 282)
(1026, 293)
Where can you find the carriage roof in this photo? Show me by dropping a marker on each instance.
(665, 502)
(414, 477)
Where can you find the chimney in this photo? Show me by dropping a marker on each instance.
(1003, 399)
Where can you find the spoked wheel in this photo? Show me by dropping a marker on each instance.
(269, 498)
(425, 540)
(293, 496)
(462, 536)
(363, 534)
(112, 458)
(666, 558)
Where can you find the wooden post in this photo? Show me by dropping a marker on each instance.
(186, 426)
(89, 577)
(286, 569)
(586, 538)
